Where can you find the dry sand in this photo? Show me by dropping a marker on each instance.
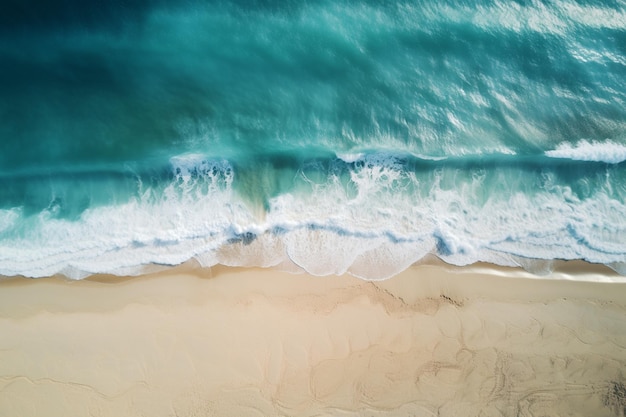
(433, 341)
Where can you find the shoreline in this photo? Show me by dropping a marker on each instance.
(555, 269)
(225, 341)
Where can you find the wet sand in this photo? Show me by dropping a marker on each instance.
(432, 341)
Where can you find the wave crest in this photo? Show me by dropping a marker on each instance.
(608, 151)
(372, 217)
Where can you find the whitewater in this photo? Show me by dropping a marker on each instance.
(326, 137)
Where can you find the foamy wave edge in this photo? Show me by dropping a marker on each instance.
(316, 248)
(608, 152)
(369, 235)
(379, 259)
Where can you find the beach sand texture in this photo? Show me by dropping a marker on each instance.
(432, 341)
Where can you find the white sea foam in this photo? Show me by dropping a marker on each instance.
(350, 157)
(608, 151)
(388, 222)
(9, 218)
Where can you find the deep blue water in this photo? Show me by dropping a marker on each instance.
(329, 136)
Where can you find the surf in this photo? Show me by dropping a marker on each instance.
(327, 137)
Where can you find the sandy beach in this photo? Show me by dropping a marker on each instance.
(432, 341)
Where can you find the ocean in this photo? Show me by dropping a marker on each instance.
(322, 136)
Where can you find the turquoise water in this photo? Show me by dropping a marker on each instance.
(330, 136)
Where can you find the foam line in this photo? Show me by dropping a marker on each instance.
(375, 221)
(608, 151)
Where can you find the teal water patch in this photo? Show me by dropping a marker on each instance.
(430, 79)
